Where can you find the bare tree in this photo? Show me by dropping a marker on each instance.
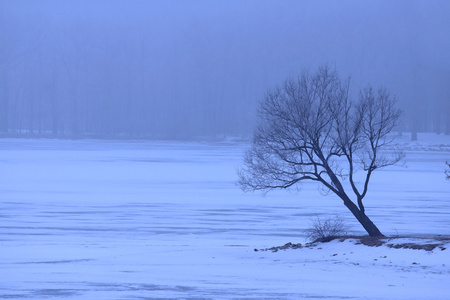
(309, 130)
(447, 172)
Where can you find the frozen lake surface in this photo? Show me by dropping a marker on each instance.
(165, 220)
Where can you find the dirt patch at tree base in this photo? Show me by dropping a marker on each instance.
(422, 243)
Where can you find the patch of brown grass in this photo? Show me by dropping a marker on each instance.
(437, 241)
(427, 247)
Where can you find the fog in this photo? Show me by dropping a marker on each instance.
(189, 69)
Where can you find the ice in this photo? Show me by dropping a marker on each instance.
(165, 220)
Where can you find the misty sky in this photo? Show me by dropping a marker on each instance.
(235, 50)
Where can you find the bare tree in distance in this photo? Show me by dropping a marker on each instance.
(447, 172)
(310, 130)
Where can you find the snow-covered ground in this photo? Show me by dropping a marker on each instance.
(165, 220)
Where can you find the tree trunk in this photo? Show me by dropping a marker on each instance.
(437, 122)
(447, 121)
(369, 226)
(363, 219)
(4, 103)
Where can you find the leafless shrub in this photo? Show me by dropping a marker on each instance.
(325, 230)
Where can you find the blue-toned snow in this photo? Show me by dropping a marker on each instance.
(165, 220)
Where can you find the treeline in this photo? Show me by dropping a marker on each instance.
(98, 80)
(174, 74)
(426, 100)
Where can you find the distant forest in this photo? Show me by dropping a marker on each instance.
(87, 84)
(181, 74)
